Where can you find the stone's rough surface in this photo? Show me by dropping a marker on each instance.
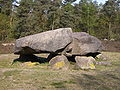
(83, 62)
(84, 43)
(50, 41)
(59, 41)
(59, 62)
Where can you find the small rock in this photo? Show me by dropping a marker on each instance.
(59, 62)
(83, 62)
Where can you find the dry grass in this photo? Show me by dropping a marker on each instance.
(22, 77)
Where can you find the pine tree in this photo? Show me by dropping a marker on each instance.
(6, 6)
(67, 19)
(86, 11)
(6, 10)
(40, 13)
(110, 9)
(24, 14)
(54, 14)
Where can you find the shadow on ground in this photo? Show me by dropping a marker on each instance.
(31, 58)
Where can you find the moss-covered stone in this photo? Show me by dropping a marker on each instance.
(59, 62)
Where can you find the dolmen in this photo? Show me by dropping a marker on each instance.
(63, 45)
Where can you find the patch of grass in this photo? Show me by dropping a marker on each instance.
(70, 82)
(72, 62)
(61, 84)
(58, 84)
(39, 77)
(11, 73)
(44, 64)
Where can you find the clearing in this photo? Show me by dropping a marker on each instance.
(20, 76)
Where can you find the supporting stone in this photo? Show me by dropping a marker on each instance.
(83, 62)
(59, 62)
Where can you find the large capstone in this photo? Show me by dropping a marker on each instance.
(53, 41)
(84, 44)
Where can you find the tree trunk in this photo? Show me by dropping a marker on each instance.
(53, 22)
(110, 31)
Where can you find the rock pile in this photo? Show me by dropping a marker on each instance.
(61, 44)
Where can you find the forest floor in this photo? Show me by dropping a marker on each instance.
(20, 76)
